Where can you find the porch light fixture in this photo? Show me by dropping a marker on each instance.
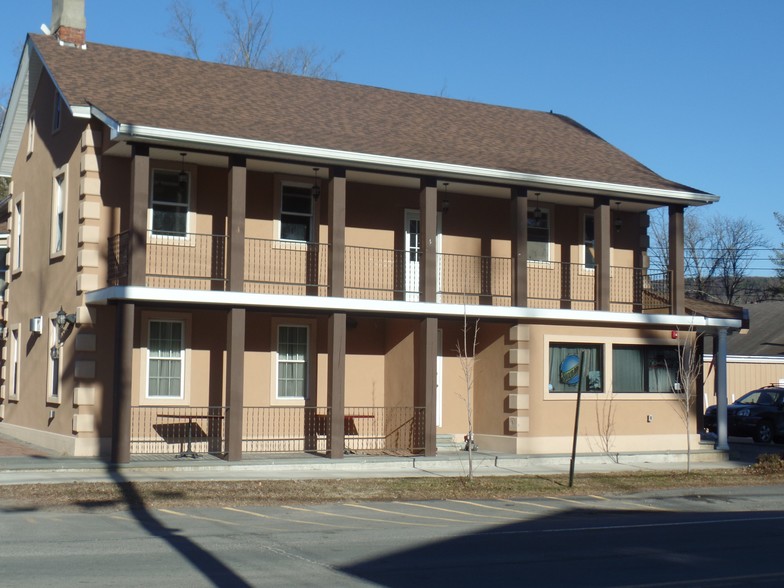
(618, 223)
(445, 201)
(315, 191)
(537, 210)
(183, 177)
(62, 320)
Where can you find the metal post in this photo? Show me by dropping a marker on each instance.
(720, 357)
(576, 420)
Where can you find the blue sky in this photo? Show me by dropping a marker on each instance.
(694, 89)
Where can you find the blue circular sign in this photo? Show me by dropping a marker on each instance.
(570, 370)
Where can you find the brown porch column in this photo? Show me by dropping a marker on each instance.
(519, 210)
(337, 230)
(428, 233)
(602, 225)
(235, 376)
(123, 382)
(140, 202)
(677, 270)
(336, 384)
(425, 392)
(237, 197)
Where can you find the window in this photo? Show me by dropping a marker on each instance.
(292, 361)
(165, 359)
(644, 368)
(589, 242)
(13, 384)
(31, 134)
(18, 226)
(170, 202)
(565, 359)
(54, 375)
(538, 235)
(296, 213)
(58, 214)
(57, 112)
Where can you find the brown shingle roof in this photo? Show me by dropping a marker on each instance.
(163, 91)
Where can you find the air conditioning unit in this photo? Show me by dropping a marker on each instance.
(37, 325)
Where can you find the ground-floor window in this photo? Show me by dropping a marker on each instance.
(644, 368)
(55, 349)
(292, 361)
(569, 360)
(166, 346)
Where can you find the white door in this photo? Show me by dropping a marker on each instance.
(412, 254)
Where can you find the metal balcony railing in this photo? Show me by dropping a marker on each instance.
(286, 267)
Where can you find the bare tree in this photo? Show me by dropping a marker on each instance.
(778, 254)
(467, 357)
(737, 240)
(605, 425)
(249, 40)
(685, 387)
(183, 28)
(718, 252)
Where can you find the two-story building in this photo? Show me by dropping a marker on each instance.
(247, 261)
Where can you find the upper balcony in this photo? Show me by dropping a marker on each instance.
(200, 261)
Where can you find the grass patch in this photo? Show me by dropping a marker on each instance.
(135, 495)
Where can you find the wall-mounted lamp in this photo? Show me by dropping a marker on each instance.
(618, 223)
(315, 191)
(63, 321)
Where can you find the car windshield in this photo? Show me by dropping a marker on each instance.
(762, 397)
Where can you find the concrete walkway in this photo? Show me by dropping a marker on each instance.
(22, 463)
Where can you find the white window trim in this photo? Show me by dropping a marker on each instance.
(51, 398)
(310, 387)
(296, 181)
(14, 358)
(59, 172)
(190, 217)
(17, 256)
(185, 379)
(581, 253)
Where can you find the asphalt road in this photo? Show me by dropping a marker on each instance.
(717, 537)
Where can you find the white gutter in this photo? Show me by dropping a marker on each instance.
(749, 358)
(132, 132)
(395, 307)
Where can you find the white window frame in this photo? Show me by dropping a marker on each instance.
(148, 358)
(54, 366)
(311, 236)
(14, 376)
(307, 362)
(189, 206)
(59, 212)
(17, 256)
(546, 213)
(584, 216)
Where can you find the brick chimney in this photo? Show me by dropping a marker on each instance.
(68, 21)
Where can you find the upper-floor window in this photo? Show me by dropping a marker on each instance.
(18, 220)
(58, 213)
(538, 234)
(57, 112)
(31, 134)
(296, 213)
(170, 202)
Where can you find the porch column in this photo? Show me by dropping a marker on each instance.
(519, 247)
(140, 202)
(720, 385)
(336, 384)
(425, 391)
(677, 270)
(602, 227)
(235, 376)
(428, 233)
(123, 382)
(237, 197)
(337, 231)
